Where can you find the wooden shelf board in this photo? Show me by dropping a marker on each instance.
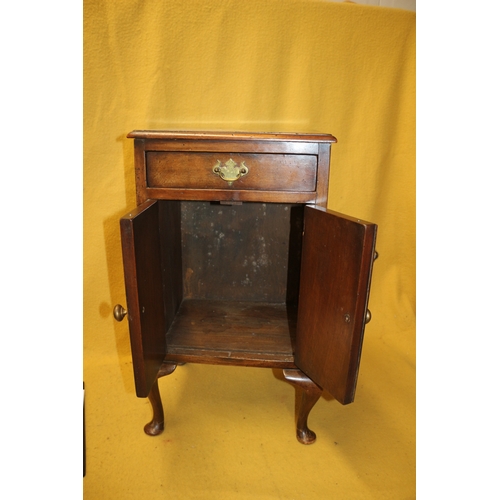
(226, 332)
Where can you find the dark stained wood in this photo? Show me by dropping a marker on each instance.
(294, 254)
(229, 195)
(157, 424)
(240, 252)
(280, 183)
(223, 135)
(308, 394)
(169, 221)
(144, 290)
(244, 273)
(231, 332)
(167, 368)
(323, 174)
(337, 261)
(234, 146)
(140, 172)
(265, 171)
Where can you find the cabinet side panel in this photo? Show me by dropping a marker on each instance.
(143, 282)
(335, 277)
(140, 171)
(323, 175)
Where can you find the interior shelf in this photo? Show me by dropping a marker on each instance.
(233, 332)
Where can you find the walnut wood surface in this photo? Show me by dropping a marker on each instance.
(144, 290)
(232, 332)
(157, 423)
(238, 195)
(233, 146)
(323, 175)
(223, 135)
(280, 181)
(245, 252)
(244, 274)
(335, 277)
(265, 171)
(169, 220)
(308, 394)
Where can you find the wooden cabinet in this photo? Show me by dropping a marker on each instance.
(231, 257)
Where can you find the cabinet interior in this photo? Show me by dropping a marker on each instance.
(230, 278)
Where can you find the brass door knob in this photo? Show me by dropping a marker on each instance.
(368, 316)
(375, 255)
(119, 312)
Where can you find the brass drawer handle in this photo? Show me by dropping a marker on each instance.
(230, 171)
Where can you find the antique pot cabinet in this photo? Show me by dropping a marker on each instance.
(231, 257)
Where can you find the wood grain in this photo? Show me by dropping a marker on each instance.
(334, 287)
(241, 252)
(144, 289)
(265, 171)
(223, 135)
(237, 332)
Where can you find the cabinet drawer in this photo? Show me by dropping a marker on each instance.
(233, 171)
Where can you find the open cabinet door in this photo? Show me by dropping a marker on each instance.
(336, 267)
(143, 283)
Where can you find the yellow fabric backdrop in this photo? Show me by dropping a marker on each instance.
(261, 65)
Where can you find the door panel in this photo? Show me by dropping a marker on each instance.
(143, 282)
(337, 259)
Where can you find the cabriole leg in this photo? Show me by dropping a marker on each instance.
(308, 395)
(157, 424)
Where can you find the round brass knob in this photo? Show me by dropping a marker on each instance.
(368, 316)
(119, 312)
(375, 255)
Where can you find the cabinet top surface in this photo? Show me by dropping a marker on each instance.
(227, 136)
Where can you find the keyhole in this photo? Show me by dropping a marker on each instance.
(347, 318)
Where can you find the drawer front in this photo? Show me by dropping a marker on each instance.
(231, 171)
